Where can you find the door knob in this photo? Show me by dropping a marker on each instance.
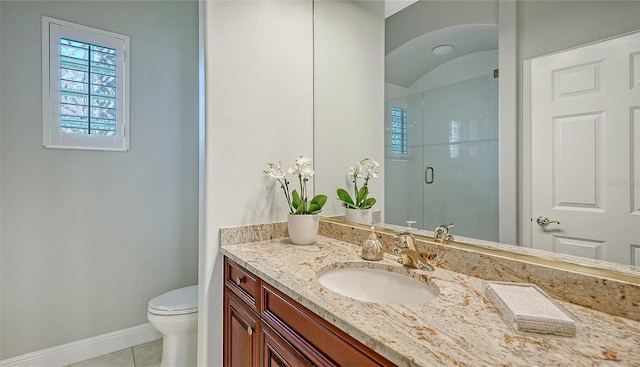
(544, 221)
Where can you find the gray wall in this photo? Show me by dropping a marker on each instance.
(87, 237)
(550, 26)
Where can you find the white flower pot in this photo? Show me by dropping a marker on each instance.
(303, 229)
(362, 216)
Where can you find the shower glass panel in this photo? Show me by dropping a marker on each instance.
(452, 140)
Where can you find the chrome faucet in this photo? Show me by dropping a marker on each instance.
(442, 232)
(409, 255)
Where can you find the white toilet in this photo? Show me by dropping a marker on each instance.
(175, 315)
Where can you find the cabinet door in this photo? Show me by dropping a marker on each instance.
(276, 352)
(241, 332)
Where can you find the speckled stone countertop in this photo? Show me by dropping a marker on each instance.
(459, 328)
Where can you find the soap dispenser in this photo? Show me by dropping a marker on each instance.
(371, 248)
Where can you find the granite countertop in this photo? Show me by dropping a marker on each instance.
(459, 328)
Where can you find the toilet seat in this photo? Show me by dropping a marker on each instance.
(180, 301)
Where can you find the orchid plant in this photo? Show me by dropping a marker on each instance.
(298, 202)
(366, 169)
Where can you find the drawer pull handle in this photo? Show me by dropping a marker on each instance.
(249, 330)
(240, 280)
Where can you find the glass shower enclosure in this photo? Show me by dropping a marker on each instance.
(441, 158)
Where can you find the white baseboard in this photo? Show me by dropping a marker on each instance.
(80, 350)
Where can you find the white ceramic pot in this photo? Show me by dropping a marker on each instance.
(362, 216)
(303, 229)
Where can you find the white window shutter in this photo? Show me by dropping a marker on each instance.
(85, 87)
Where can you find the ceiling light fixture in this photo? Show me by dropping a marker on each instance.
(442, 50)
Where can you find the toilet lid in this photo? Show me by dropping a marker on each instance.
(182, 300)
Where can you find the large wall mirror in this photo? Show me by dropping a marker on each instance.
(418, 89)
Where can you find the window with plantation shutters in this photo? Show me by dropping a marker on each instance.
(85, 87)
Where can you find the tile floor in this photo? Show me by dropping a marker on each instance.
(143, 355)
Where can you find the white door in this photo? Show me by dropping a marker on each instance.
(585, 147)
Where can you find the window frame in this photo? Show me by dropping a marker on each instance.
(54, 29)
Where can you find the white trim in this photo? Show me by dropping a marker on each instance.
(203, 293)
(81, 350)
(82, 27)
(508, 125)
(525, 220)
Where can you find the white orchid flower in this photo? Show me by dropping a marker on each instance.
(306, 173)
(372, 169)
(366, 168)
(303, 162)
(301, 167)
(297, 200)
(275, 171)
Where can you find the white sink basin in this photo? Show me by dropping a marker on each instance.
(379, 286)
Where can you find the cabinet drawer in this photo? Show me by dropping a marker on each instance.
(321, 342)
(242, 283)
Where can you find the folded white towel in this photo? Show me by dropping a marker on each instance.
(528, 309)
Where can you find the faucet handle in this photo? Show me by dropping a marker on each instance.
(442, 232)
(407, 230)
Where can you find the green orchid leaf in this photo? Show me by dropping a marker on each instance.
(296, 202)
(362, 195)
(344, 196)
(369, 203)
(318, 200)
(314, 208)
(300, 210)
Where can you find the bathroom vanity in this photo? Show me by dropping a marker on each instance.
(276, 313)
(264, 327)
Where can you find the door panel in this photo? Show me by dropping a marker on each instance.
(585, 138)
(580, 247)
(577, 160)
(577, 80)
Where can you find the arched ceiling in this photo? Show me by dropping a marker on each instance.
(413, 59)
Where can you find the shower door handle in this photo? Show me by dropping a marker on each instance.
(426, 175)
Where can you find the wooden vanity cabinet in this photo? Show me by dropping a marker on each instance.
(241, 324)
(264, 327)
(241, 333)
